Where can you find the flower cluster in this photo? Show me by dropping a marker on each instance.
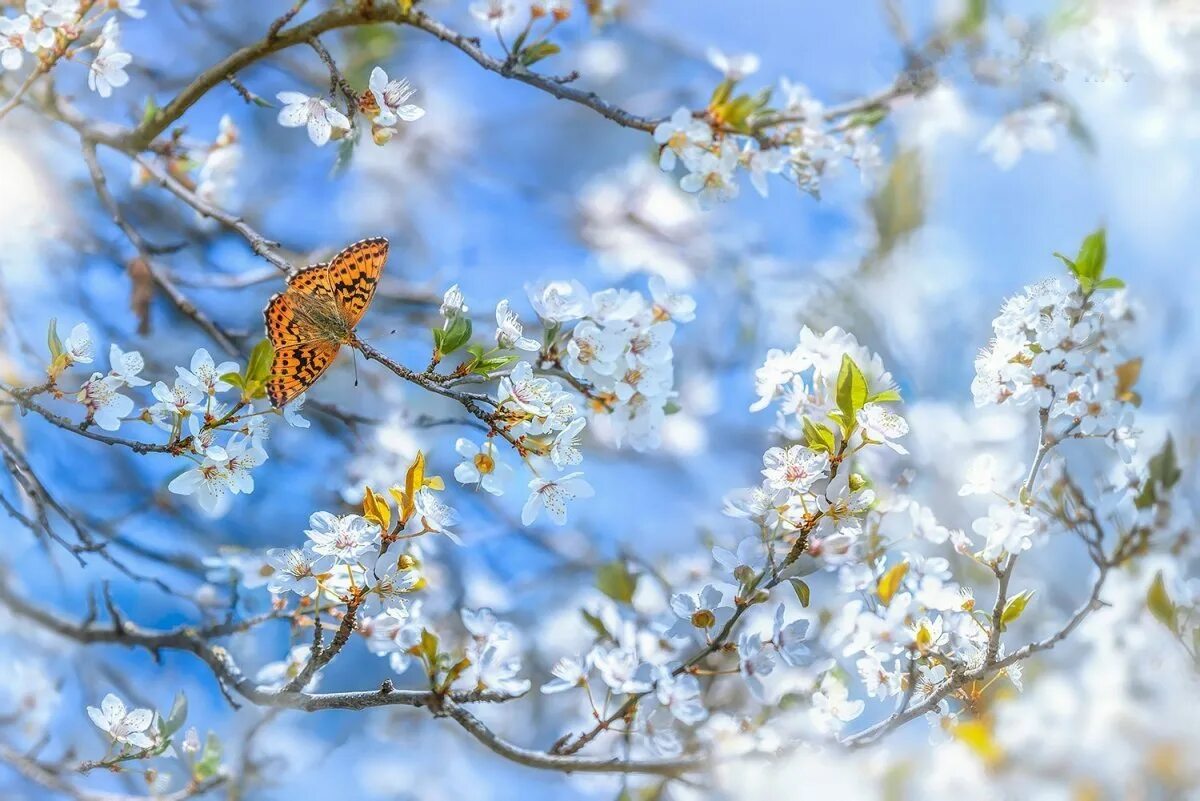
(47, 28)
(612, 347)
(385, 103)
(808, 502)
(140, 734)
(353, 564)
(1056, 347)
(344, 556)
(488, 661)
(619, 350)
(224, 437)
(740, 132)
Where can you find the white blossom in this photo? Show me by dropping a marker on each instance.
(679, 135)
(345, 537)
(124, 727)
(107, 70)
(734, 67)
(314, 112)
(296, 569)
(559, 301)
(568, 674)
(554, 495)
(509, 332)
(481, 465)
(392, 97)
(1007, 530)
(105, 405)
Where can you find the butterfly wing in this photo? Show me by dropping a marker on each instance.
(314, 281)
(297, 367)
(286, 325)
(353, 275)
(302, 350)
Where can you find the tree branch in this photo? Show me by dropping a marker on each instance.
(196, 641)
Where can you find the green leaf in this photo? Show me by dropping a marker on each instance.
(1092, 255)
(1069, 262)
(614, 580)
(851, 391)
(869, 118)
(258, 368)
(596, 623)
(1111, 283)
(429, 647)
(1160, 604)
(898, 206)
(803, 592)
(174, 720)
(536, 52)
(1015, 606)
(818, 436)
(53, 341)
(887, 396)
(234, 379)
(721, 93)
(455, 336)
(210, 759)
(493, 363)
(972, 19)
(1164, 466)
(455, 671)
(149, 110)
(345, 153)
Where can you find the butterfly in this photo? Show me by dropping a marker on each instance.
(310, 321)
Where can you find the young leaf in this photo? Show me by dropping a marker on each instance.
(1128, 374)
(234, 380)
(210, 759)
(376, 509)
(429, 647)
(536, 52)
(803, 592)
(976, 735)
(175, 719)
(1160, 604)
(1093, 253)
(1069, 262)
(455, 336)
(614, 580)
(890, 581)
(818, 436)
(258, 368)
(851, 391)
(596, 624)
(1015, 606)
(1164, 466)
(53, 341)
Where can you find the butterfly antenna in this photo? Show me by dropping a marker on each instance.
(354, 361)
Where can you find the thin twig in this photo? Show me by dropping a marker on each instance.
(161, 277)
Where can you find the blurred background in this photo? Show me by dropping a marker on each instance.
(499, 186)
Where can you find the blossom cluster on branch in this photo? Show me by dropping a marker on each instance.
(831, 603)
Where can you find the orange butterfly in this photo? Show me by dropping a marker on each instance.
(310, 321)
